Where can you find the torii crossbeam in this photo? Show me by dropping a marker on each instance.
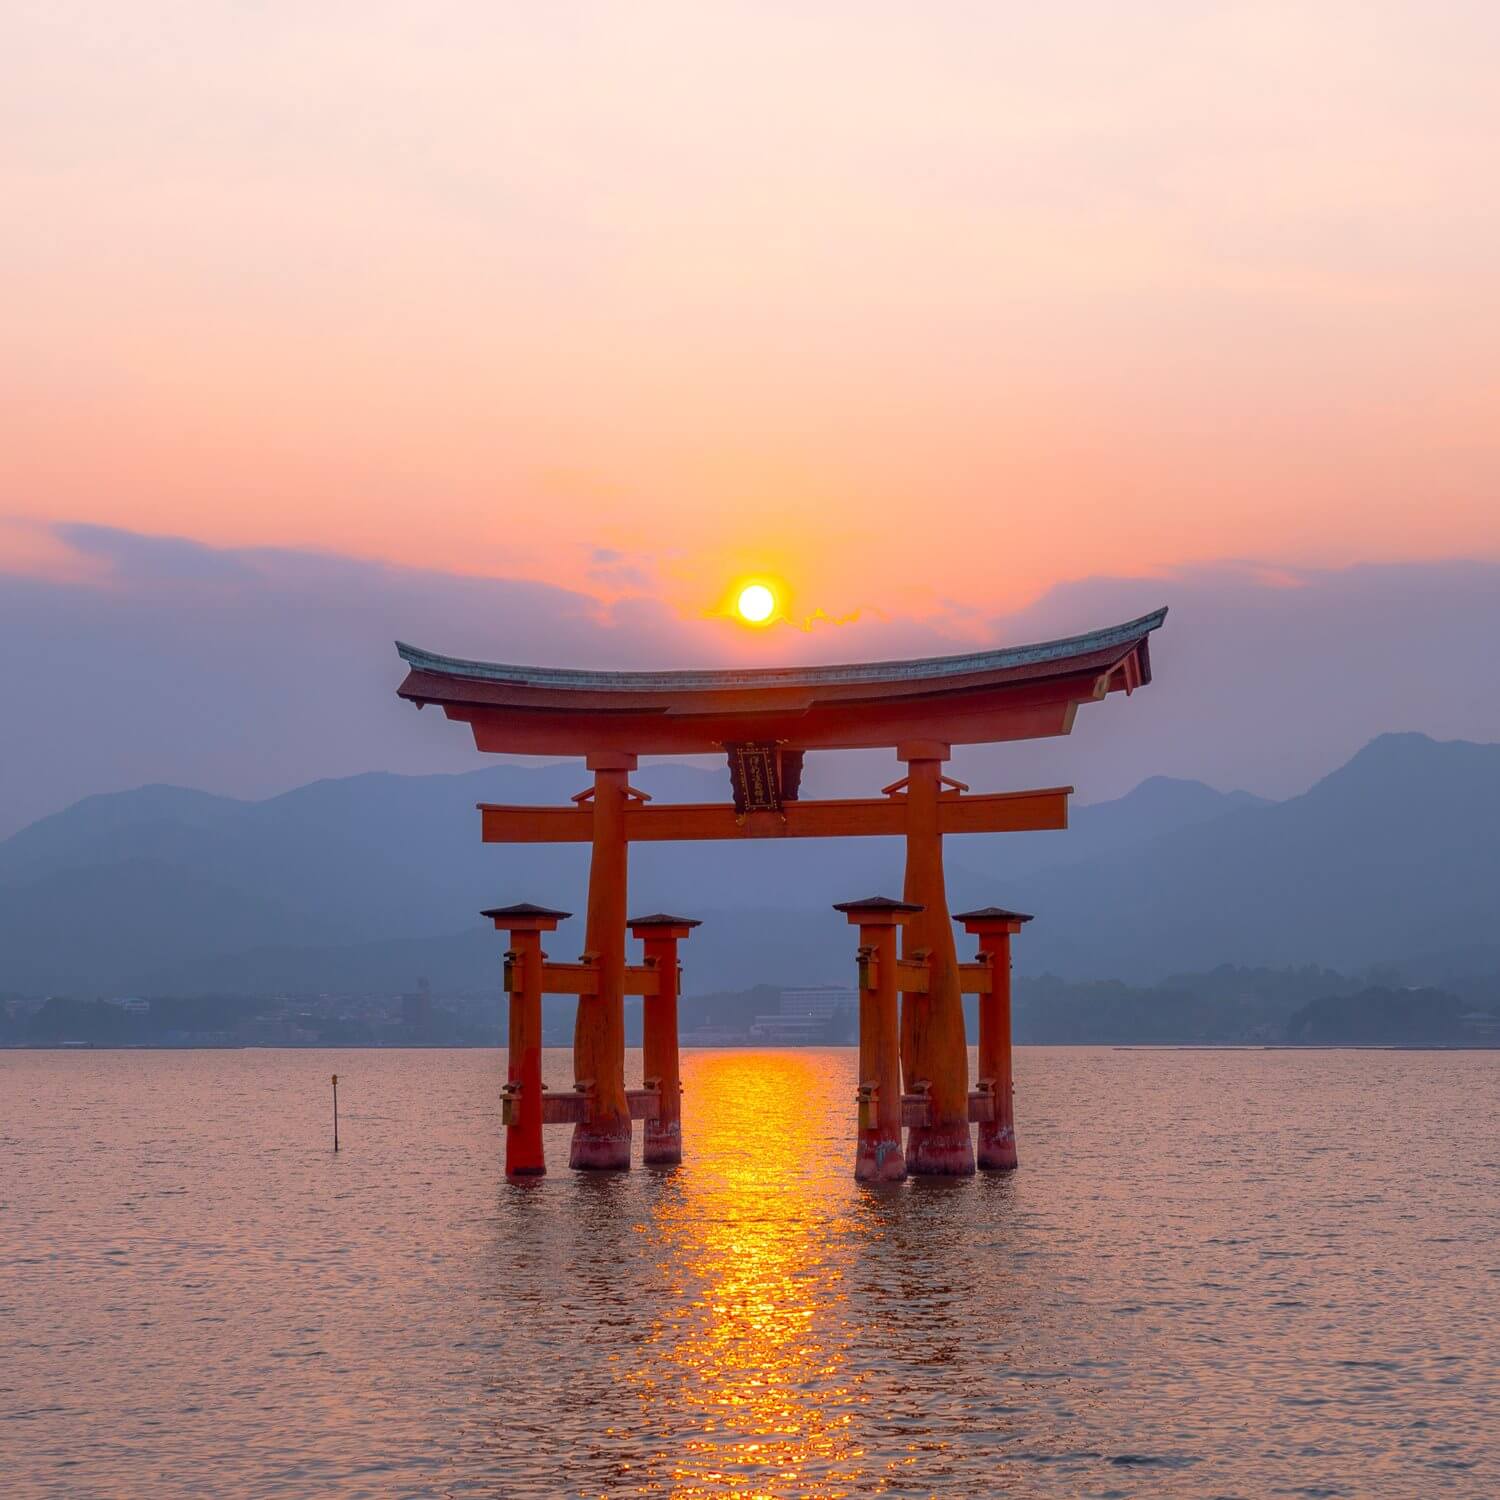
(765, 720)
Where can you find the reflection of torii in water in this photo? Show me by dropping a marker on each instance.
(765, 719)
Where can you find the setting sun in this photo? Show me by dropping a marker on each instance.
(756, 603)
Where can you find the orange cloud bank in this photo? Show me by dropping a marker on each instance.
(919, 310)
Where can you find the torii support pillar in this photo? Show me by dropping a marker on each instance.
(523, 1086)
(660, 934)
(602, 1141)
(934, 1050)
(994, 927)
(878, 1157)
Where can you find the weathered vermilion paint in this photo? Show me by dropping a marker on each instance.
(934, 1050)
(603, 1141)
(662, 1137)
(877, 1155)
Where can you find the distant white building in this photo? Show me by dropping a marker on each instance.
(804, 1014)
(820, 1000)
(131, 1004)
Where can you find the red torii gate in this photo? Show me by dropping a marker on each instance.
(766, 719)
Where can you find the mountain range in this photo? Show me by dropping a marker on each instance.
(366, 882)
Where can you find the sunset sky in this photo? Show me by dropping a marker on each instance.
(925, 311)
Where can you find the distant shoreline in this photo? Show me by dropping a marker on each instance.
(743, 1047)
(1274, 1046)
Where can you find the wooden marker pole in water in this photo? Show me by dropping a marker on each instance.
(335, 1111)
(878, 1156)
(660, 934)
(994, 927)
(522, 1096)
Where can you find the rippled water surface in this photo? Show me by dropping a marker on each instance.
(1216, 1273)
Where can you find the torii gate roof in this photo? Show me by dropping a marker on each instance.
(1013, 692)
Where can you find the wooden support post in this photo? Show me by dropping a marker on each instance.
(522, 1096)
(934, 1049)
(878, 1157)
(662, 1135)
(994, 927)
(603, 1141)
(524, 1155)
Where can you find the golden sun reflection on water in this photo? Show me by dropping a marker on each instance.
(1206, 1279)
(753, 1245)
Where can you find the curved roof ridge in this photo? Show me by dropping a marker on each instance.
(708, 678)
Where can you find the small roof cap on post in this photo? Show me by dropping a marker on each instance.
(525, 916)
(991, 918)
(878, 910)
(661, 924)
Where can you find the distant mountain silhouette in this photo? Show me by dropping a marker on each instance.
(1381, 1017)
(365, 882)
(1393, 855)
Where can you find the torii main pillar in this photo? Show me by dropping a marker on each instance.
(934, 1049)
(603, 1140)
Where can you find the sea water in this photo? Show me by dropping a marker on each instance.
(1233, 1273)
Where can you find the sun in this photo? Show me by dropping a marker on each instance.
(756, 604)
